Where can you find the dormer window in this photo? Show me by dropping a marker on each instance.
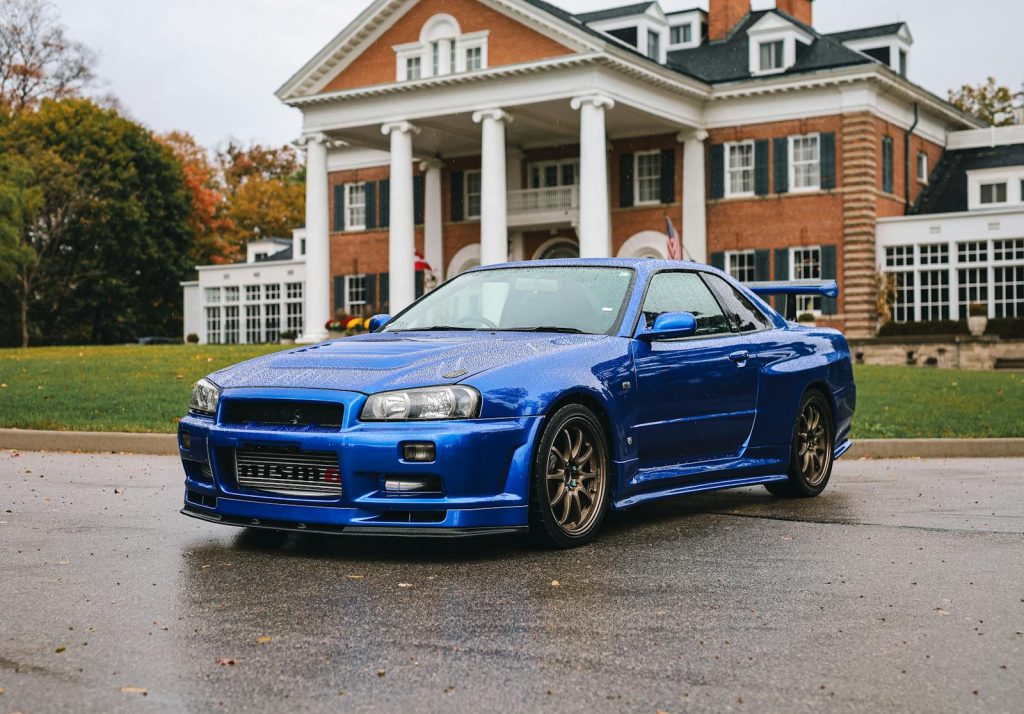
(993, 193)
(771, 56)
(442, 50)
(654, 45)
(681, 35)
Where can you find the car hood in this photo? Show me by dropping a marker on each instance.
(374, 363)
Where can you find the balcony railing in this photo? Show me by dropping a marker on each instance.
(558, 203)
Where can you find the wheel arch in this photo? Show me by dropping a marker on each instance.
(592, 403)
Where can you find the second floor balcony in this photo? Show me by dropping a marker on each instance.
(551, 207)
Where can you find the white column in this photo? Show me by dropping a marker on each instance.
(695, 224)
(493, 191)
(433, 239)
(317, 308)
(402, 236)
(595, 212)
(444, 57)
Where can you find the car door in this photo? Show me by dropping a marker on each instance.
(696, 396)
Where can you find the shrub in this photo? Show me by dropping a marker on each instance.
(192, 338)
(924, 329)
(289, 335)
(1008, 328)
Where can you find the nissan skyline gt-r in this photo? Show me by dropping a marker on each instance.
(526, 397)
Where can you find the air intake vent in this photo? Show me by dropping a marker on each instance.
(281, 412)
(294, 473)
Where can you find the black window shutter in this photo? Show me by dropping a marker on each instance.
(781, 165)
(384, 188)
(718, 260)
(339, 292)
(761, 271)
(339, 207)
(458, 196)
(417, 199)
(717, 154)
(419, 284)
(668, 175)
(761, 164)
(370, 288)
(828, 160)
(828, 272)
(371, 205)
(384, 301)
(782, 263)
(626, 180)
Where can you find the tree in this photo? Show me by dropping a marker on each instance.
(208, 222)
(110, 237)
(992, 103)
(19, 201)
(37, 59)
(265, 192)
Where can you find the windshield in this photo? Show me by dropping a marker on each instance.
(543, 299)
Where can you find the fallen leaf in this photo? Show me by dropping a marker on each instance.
(941, 611)
(262, 640)
(405, 585)
(555, 583)
(134, 690)
(60, 649)
(355, 577)
(226, 662)
(2, 690)
(381, 672)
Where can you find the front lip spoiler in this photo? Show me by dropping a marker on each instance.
(390, 531)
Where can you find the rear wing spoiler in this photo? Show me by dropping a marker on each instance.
(785, 288)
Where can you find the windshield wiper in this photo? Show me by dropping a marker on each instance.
(546, 328)
(436, 328)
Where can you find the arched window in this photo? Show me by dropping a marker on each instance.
(442, 49)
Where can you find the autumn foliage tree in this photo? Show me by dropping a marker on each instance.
(992, 103)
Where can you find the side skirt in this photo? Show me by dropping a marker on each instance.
(697, 488)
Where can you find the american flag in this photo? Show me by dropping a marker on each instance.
(675, 246)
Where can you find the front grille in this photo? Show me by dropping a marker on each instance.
(295, 473)
(282, 412)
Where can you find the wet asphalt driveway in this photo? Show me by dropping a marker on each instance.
(902, 587)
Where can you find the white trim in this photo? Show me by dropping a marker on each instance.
(466, 215)
(921, 162)
(729, 145)
(350, 189)
(465, 258)
(1012, 176)
(793, 188)
(347, 287)
(730, 254)
(551, 243)
(636, 178)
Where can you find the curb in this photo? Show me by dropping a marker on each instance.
(101, 442)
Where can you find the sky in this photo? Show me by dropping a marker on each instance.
(210, 67)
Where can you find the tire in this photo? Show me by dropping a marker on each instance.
(570, 485)
(812, 450)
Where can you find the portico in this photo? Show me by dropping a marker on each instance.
(504, 127)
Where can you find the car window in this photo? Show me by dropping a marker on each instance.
(685, 292)
(742, 313)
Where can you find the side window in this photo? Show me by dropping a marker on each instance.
(685, 292)
(742, 313)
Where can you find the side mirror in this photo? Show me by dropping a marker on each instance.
(377, 322)
(670, 326)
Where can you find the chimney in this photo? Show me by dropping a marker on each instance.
(797, 9)
(723, 15)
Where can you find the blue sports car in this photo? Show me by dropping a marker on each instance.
(526, 397)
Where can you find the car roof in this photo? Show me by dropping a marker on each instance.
(641, 265)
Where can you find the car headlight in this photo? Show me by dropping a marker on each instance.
(205, 396)
(449, 402)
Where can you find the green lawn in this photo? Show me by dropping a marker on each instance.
(146, 388)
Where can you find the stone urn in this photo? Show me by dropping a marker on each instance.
(977, 318)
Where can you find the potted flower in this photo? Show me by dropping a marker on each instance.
(337, 325)
(977, 318)
(806, 319)
(288, 337)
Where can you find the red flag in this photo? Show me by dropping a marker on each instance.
(675, 246)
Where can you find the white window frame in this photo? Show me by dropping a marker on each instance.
(729, 146)
(749, 256)
(781, 57)
(424, 50)
(805, 303)
(466, 194)
(558, 165)
(922, 167)
(684, 29)
(654, 45)
(995, 201)
(410, 62)
(793, 187)
(637, 200)
(476, 50)
(352, 287)
(350, 204)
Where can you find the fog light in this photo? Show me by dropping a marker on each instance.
(424, 451)
(186, 441)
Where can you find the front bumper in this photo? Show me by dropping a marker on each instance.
(482, 466)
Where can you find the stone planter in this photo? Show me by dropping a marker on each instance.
(977, 324)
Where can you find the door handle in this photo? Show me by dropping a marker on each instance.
(740, 357)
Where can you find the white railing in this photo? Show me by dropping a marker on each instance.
(993, 136)
(544, 200)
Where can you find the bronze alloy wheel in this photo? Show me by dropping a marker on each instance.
(814, 447)
(571, 489)
(811, 451)
(576, 476)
